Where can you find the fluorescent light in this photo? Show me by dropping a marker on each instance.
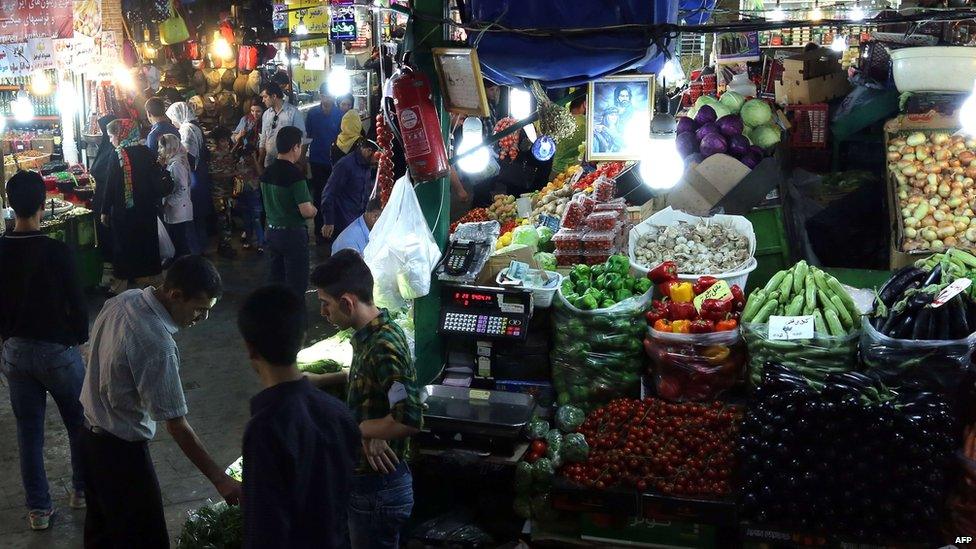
(221, 48)
(777, 14)
(857, 13)
(967, 113)
(22, 108)
(839, 44)
(520, 104)
(67, 98)
(473, 139)
(338, 82)
(40, 84)
(301, 29)
(123, 77)
(661, 166)
(817, 13)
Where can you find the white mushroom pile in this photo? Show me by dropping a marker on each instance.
(700, 248)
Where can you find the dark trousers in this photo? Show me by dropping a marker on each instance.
(125, 506)
(288, 258)
(320, 176)
(180, 234)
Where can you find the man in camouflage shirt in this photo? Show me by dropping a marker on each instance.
(384, 398)
(223, 169)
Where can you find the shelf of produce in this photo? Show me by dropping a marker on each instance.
(718, 512)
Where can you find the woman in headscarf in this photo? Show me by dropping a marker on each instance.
(183, 115)
(99, 170)
(132, 200)
(350, 129)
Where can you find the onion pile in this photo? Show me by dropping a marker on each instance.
(934, 175)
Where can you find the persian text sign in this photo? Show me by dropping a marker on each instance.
(24, 19)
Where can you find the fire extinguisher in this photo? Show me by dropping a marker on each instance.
(420, 127)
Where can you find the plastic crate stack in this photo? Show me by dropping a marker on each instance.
(593, 227)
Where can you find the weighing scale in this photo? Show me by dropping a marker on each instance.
(485, 313)
(482, 421)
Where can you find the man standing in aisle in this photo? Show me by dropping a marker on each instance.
(43, 317)
(349, 187)
(287, 204)
(356, 235)
(322, 124)
(384, 397)
(279, 114)
(301, 444)
(133, 381)
(161, 124)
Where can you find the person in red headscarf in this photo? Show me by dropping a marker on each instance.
(132, 200)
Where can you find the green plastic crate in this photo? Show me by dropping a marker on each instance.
(772, 247)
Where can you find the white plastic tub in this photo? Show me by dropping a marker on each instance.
(934, 69)
(541, 296)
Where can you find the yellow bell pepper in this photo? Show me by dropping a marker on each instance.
(681, 326)
(682, 292)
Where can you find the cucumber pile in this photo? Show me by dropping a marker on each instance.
(805, 290)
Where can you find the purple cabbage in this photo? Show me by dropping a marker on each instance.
(713, 143)
(738, 145)
(706, 129)
(751, 159)
(706, 114)
(758, 150)
(686, 124)
(730, 125)
(687, 143)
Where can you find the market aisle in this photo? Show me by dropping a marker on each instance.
(218, 382)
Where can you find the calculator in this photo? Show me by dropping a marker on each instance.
(494, 313)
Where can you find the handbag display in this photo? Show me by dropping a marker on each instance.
(174, 29)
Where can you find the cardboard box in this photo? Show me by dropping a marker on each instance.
(44, 145)
(928, 122)
(501, 259)
(820, 89)
(811, 64)
(721, 182)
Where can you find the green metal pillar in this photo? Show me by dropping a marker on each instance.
(434, 196)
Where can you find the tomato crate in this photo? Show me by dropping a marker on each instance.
(718, 512)
(567, 496)
(810, 125)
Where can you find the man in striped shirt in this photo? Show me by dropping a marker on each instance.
(133, 381)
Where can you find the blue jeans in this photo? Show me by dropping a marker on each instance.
(33, 369)
(379, 506)
(288, 258)
(253, 226)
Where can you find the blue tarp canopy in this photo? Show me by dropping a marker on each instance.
(509, 59)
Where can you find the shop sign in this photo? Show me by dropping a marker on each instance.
(315, 16)
(41, 53)
(23, 20)
(343, 25)
(18, 56)
(279, 18)
(737, 46)
(73, 54)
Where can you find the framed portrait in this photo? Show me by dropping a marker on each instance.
(461, 83)
(618, 116)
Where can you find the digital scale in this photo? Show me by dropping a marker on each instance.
(486, 313)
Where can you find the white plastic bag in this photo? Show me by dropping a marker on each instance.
(166, 248)
(401, 251)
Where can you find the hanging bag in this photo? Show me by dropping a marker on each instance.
(174, 29)
(247, 58)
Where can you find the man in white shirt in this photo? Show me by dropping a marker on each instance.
(279, 114)
(133, 381)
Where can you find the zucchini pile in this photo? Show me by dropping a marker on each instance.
(905, 308)
(805, 290)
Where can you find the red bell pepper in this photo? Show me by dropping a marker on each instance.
(702, 327)
(664, 288)
(738, 298)
(714, 309)
(664, 272)
(655, 314)
(704, 283)
(682, 311)
(726, 325)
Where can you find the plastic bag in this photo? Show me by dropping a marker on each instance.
(401, 252)
(811, 358)
(598, 355)
(523, 477)
(575, 448)
(554, 443)
(569, 418)
(213, 525)
(543, 470)
(696, 366)
(538, 428)
(166, 249)
(526, 235)
(937, 366)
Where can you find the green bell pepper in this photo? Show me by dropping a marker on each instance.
(588, 302)
(595, 294)
(601, 281)
(614, 282)
(580, 273)
(619, 264)
(598, 270)
(630, 282)
(607, 303)
(642, 285)
(623, 294)
(568, 287)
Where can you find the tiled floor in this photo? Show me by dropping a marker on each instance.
(218, 381)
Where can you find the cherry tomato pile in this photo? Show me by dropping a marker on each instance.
(476, 215)
(609, 169)
(384, 173)
(681, 449)
(508, 145)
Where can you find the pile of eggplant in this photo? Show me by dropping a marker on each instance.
(905, 310)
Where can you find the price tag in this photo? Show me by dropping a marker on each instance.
(951, 291)
(791, 327)
(475, 394)
(517, 270)
(550, 221)
(576, 177)
(720, 290)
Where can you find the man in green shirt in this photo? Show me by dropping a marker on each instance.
(384, 397)
(567, 150)
(287, 204)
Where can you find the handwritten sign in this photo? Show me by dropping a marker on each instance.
(951, 291)
(18, 57)
(41, 53)
(23, 20)
(791, 327)
(720, 291)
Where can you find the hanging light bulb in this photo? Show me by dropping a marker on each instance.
(817, 13)
(471, 139)
(778, 14)
(338, 82)
(301, 29)
(221, 47)
(967, 114)
(857, 12)
(22, 107)
(39, 83)
(123, 77)
(67, 98)
(661, 166)
(672, 72)
(519, 104)
(839, 44)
